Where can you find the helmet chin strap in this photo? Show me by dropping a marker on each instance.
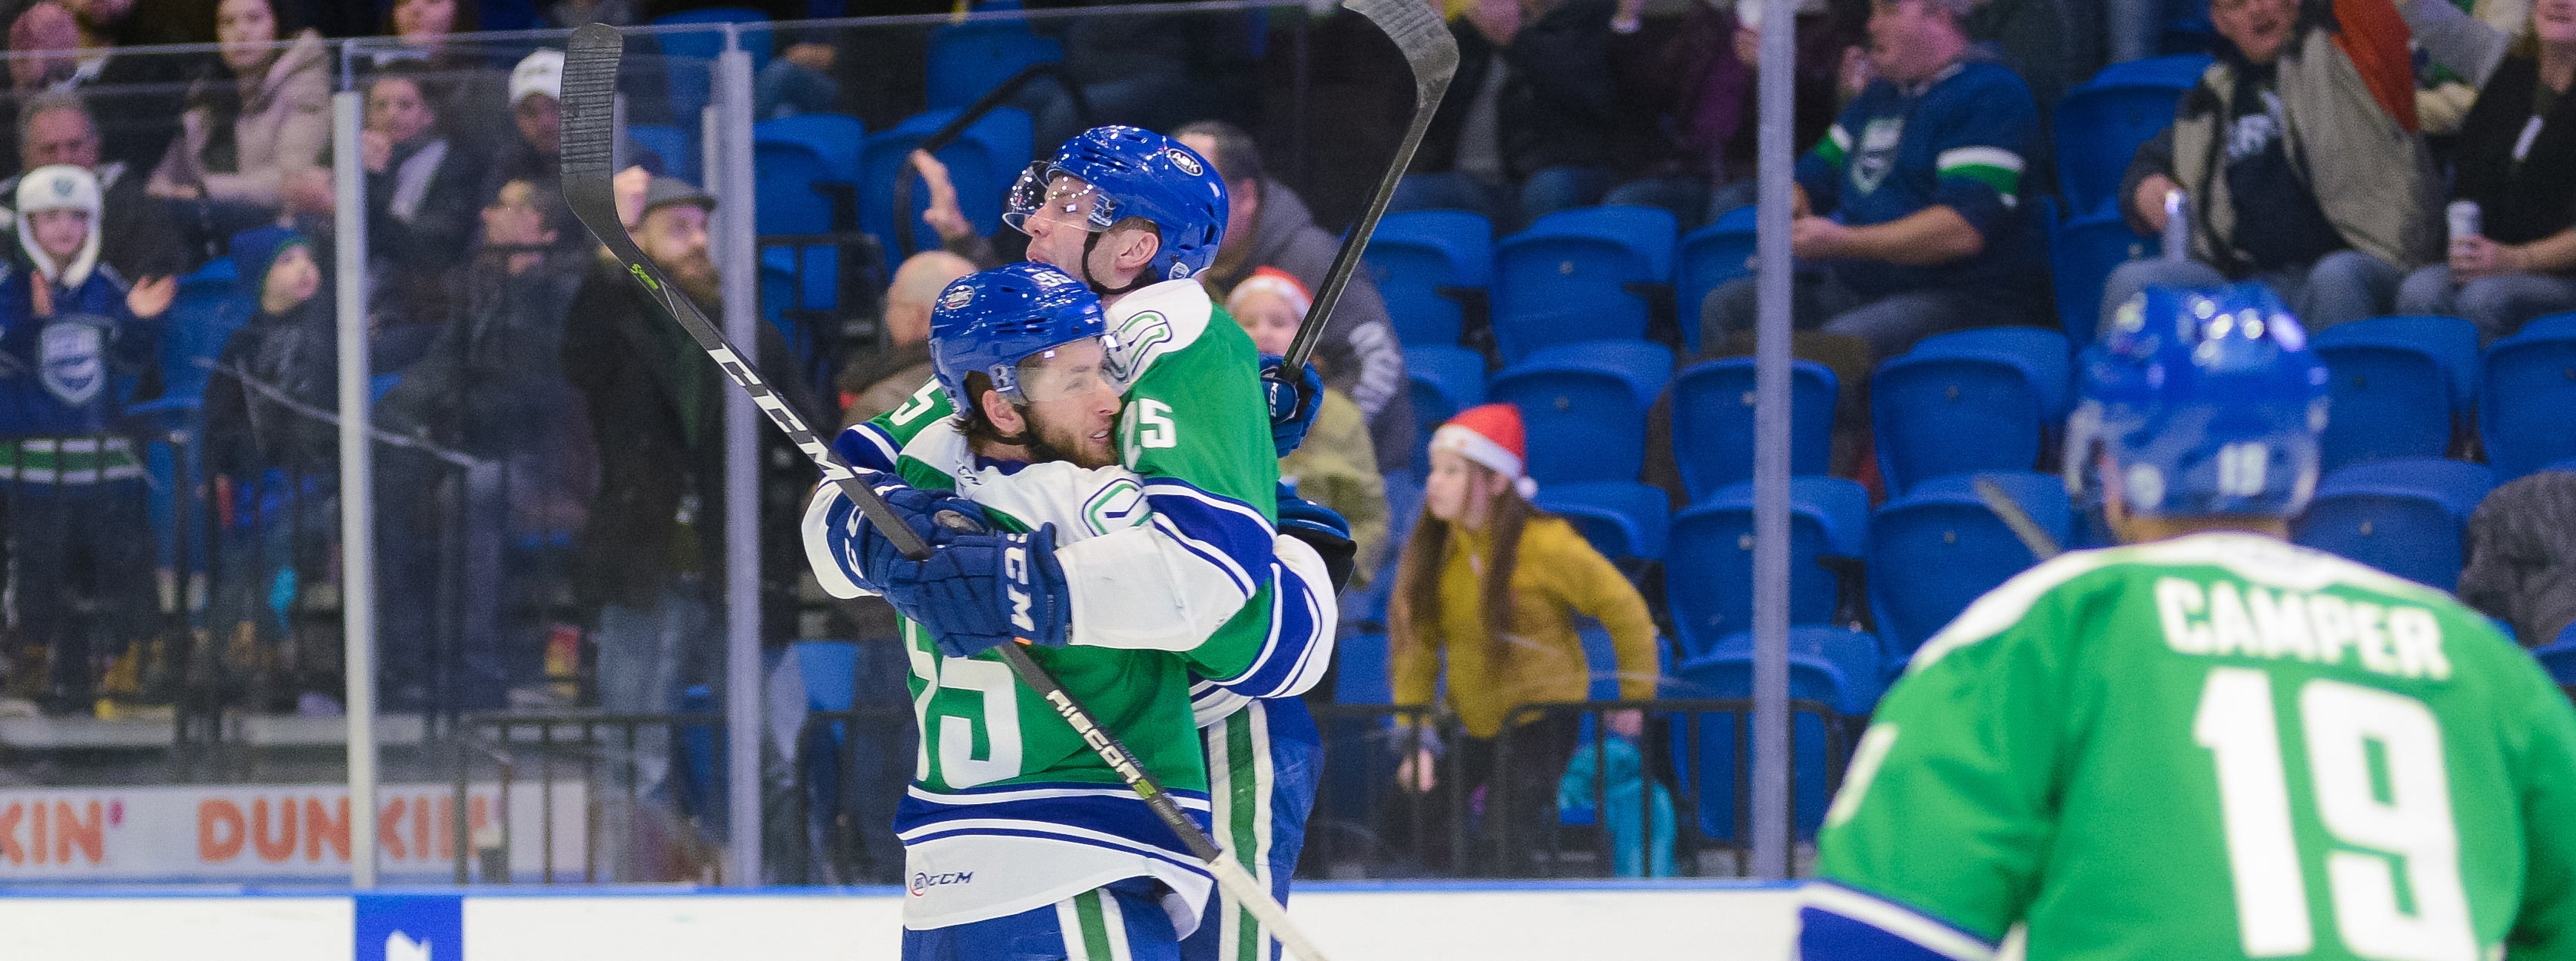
(1092, 240)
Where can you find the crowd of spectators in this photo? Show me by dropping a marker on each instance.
(2314, 156)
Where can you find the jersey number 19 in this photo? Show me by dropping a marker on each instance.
(2381, 791)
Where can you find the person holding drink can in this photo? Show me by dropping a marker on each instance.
(2512, 254)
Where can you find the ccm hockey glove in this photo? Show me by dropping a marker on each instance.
(981, 590)
(1293, 405)
(1323, 529)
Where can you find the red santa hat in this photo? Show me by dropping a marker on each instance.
(1272, 280)
(1491, 435)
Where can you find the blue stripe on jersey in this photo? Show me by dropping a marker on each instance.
(866, 447)
(1841, 923)
(1218, 527)
(1113, 818)
(1288, 662)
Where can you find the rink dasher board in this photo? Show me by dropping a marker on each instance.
(1722, 921)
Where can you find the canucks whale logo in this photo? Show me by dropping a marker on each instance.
(74, 366)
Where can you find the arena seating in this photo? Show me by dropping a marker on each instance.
(1713, 430)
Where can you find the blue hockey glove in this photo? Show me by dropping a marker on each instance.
(981, 590)
(1323, 529)
(863, 552)
(1292, 405)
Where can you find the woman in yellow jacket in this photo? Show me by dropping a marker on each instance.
(1487, 588)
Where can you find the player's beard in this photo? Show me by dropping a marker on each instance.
(1066, 442)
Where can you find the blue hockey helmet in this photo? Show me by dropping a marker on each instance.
(2207, 401)
(994, 321)
(1130, 172)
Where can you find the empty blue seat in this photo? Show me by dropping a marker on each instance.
(1360, 670)
(1710, 256)
(1940, 547)
(2100, 124)
(2527, 391)
(2395, 389)
(689, 55)
(1622, 519)
(1713, 421)
(2406, 517)
(1584, 405)
(1567, 277)
(1443, 381)
(968, 60)
(1708, 560)
(983, 162)
(1936, 414)
(793, 156)
(2082, 251)
(677, 149)
(1829, 666)
(2559, 657)
(1415, 255)
(2043, 354)
(209, 306)
(2553, 325)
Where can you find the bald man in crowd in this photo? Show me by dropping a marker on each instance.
(879, 382)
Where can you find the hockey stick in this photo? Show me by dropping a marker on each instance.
(2041, 545)
(1432, 56)
(589, 97)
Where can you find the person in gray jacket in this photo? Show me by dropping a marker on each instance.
(2299, 162)
(1270, 226)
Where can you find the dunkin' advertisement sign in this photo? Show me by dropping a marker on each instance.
(274, 832)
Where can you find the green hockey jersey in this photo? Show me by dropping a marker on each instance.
(2214, 747)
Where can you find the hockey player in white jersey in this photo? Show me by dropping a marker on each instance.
(1136, 216)
(1018, 345)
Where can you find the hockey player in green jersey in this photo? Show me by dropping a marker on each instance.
(2207, 743)
(1010, 836)
(1136, 215)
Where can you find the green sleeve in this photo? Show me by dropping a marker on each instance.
(1197, 416)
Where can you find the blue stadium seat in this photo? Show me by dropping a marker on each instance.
(1622, 519)
(1830, 666)
(1443, 381)
(1710, 256)
(1361, 670)
(2101, 122)
(2551, 325)
(967, 60)
(984, 162)
(2082, 251)
(2527, 391)
(2559, 657)
(2182, 70)
(1936, 414)
(1414, 254)
(689, 56)
(2406, 517)
(1708, 560)
(1566, 278)
(677, 149)
(2043, 354)
(793, 156)
(1940, 547)
(1713, 421)
(2394, 387)
(1584, 405)
(208, 308)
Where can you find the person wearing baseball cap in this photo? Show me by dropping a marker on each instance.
(1487, 590)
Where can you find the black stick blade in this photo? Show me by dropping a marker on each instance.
(590, 102)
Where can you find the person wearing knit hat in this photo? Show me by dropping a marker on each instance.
(1486, 591)
(1336, 466)
(77, 342)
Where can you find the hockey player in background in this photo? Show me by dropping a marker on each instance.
(1136, 216)
(2207, 743)
(1033, 843)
